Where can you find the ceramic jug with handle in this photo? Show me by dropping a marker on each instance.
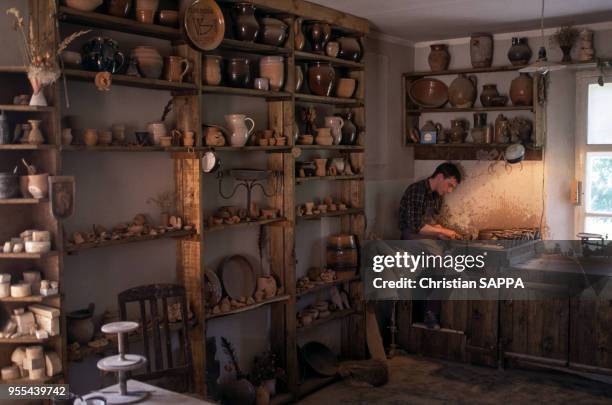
(335, 124)
(102, 55)
(239, 133)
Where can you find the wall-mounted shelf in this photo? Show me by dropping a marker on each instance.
(28, 256)
(25, 146)
(339, 213)
(350, 148)
(336, 62)
(492, 69)
(253, 47)
(71, 248)
(236, 91)
(243, 224)
(23, 201)
(29, 299)
(132, 81)
(344, 102)
(472, 109)
(278, 298)
(299, 180)
(25, 108)
(464, 151)
(326, 286)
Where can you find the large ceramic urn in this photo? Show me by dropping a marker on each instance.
(149, 61)
(481, 49)
(438, 58)
(462, 91)
(521, 90)
(246, 27)
(319, 33)
(321, 78)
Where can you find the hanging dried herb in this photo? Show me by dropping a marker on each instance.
(565, 36)
(229, 350)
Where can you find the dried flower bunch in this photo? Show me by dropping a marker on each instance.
(41, 63)
(565, 36)
(164, 201)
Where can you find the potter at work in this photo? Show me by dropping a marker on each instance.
(275, 202)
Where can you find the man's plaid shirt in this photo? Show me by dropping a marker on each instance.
(419, 206)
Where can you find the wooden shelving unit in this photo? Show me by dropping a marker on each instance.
(23, 201)
(332, 317)
(72, 249)
(277, 299)
(132, 81)
(331, 214)
(243, 224)
(342, 102)
(336, 62)
(465, 151)
(300, 180)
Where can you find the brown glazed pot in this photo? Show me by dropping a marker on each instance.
(118, 8)
(520, 52)
(488, 93)
(350, 49)
(319, 34)
(246, 26)
(321, 78)
(438, 58)
(481, 49)
(521, 90)
(238, 73)
(273, 32)
(462, 91)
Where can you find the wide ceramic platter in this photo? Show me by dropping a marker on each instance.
(238, 277)
(204, 24)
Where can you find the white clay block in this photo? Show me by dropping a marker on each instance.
(18, 247)
(18, 355)
(44, 310)
(21, 290)
(54, 284)
(27, 234)
(35, 352)
(31, 276)
(18, 311)
(5, 278)
(41, 236)
(10, 373)
(5, 290)
(44, 284)
(37, 374)
(7, 247)
(41, 334)
(25, 323)
(49, 325)
(53, 364)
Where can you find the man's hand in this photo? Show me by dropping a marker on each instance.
(439, 231)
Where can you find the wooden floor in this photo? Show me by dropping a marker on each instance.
(416, 380)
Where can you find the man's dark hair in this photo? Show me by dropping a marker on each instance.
(448, 170)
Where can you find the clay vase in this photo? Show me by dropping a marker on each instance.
(321, 170)
(90, 137)
(238, 73)
(149, 61)
(349, 129)
(321, 78)
(481, 49)
(350, 49)
(66, 136)
(299, 78)
(35, 137)
(502, 130)
(35, 185)
(458, 131)
(299, 40)
(273, 69)
(80, 325)
(521, 90)
(489, 92)
(462, 91)
(335, 125)
(239, 133)
(319, 33)
(273, 31)
(567, 51)
(520, 52)
(175, 68)
(246, 26)
(324, 137)
(332, 48)
(118, 8)
(267, 284)
(211, 72)
(438, 58)
(157, 130)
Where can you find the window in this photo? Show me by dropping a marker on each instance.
(594, 154)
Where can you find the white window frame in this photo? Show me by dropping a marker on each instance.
(583, 80)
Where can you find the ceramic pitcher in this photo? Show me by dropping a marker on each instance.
(239, 133)
(335, 124)
(157, 130)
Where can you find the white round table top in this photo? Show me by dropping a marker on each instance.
(120, 327)
(129, 362)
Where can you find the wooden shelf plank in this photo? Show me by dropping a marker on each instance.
(473, 109)
(242, 224)
(350, 211)
(237, 91)
(71, 248)
(492, 69)
(105, 21)
(279, 298)
(26, 108)
(332, 317)
(355, 148)
(25, 146)
(111, 148)
(28, 256)
(26, 340)
(132, 81)
(300, 180)
(283, 148)
(23, 201)
(336, 62)
(311, 98)
(253, 47)
(13, 69)
(464, 151)
(31, 298)
(39, 381)
(326, 286)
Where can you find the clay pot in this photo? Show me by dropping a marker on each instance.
(35, 137)
(319, 33)
(438, 58)
(321, 170)
(273, 69)
(267, 284)
(520, 52)
(502, 130)
(335, 125)
(481, 50)
(567, 50)
(118, 8)
(458, 131)
(273, 32)
(332, 48)
(145, 10)
(211, 72)
(157, 130)
(324, 137)
(521, 90)
(239, 133)
(349, 129)
(462, 91)
(339, 164)
(350, 49)
(118, 133)
(321, 77)
(246, 26)
(80, 325)
(35, 185)
(149, 61)
(9, 186)
(346, 87)
(488, 94)
(175, 68)
(238, 73)
(342, 253)
(67, 136)
(428, 92)
(299, 40)
(90, 137)
(169, 18)
(105, 138)
(84, 5)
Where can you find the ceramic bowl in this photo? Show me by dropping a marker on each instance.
(37, 247)
(428, 93)
(71, 58)
(305, 139)
(346, 88)
(83, 5)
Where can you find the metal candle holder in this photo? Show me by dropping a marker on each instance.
(250, 179)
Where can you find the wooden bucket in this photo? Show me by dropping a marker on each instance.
(342, 254)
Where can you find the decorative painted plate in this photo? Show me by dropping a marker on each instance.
(204, 24)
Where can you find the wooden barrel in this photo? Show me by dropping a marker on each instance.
(342, 254)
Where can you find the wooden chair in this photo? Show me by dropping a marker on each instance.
(165, 373)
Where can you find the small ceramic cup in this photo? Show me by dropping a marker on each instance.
(261, 83)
